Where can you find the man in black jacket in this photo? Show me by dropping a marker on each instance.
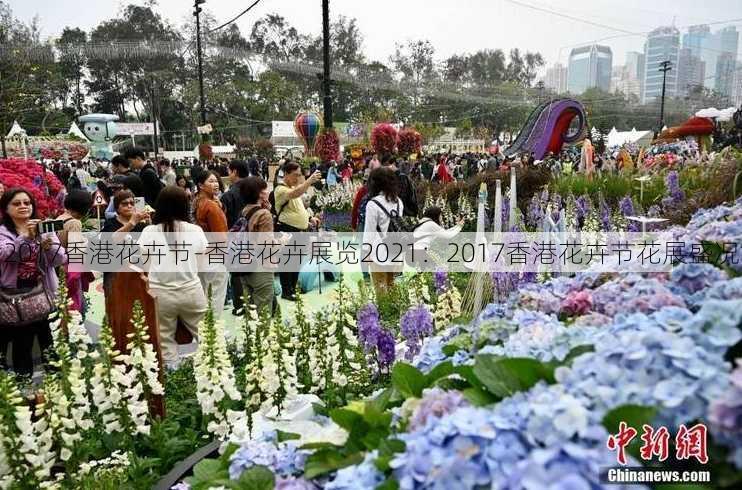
(233, 205)
(407, 190)
(147, 172)
(232, 200)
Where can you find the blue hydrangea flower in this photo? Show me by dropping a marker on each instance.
(284, 459)
(363, 475)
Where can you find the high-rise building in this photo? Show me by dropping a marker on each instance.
(726, 63)
(716, 50)
(696, 39)
(691, 71)
(556, 78)
(589, 67)
(662, 44)
(635, 64)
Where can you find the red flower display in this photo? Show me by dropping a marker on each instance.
(410, 141)
(384, 138)
(47, 190)
(327, 146)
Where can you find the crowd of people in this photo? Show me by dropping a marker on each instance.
(155, 197)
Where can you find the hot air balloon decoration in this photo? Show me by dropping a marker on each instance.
(307, 126)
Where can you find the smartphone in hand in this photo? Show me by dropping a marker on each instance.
(139, 204)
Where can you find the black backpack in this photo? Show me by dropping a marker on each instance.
(276, 213)
(241, 225)
(397, 224)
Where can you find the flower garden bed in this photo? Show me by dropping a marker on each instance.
(403, 392)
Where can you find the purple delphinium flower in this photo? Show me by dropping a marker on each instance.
(626, 206)
(672, 181)
(505, 213)
(535, 214)
(556, 206)
(605, 215)
(416, 324)
(440, 277)
(582, 207)
(368, 326)
(386, 349)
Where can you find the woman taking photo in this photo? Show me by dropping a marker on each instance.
(427, 230)
(126, 220)
(174, 280)
(27, 260)
(207, 209)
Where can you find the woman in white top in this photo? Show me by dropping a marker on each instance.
(383, 185)
(173, 277)
(427, 230)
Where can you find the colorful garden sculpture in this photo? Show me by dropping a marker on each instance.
(100, 130)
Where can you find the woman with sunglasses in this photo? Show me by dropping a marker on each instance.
(27, 258)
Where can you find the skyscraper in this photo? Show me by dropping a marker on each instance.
(556, 78)
(589, 67)
(691, 71)
(718, 52)
(726, 63)
(662, 44)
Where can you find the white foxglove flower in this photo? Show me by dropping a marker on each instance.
(216, 387)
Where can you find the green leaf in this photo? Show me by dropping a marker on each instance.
(504, 377)
(375, 417)
(286, 436)
(347, 419)
(228, 452)
(634, 415)
(381, 402)
(326, 461)
(313, 446)
(256, 478)
(320, 409)
(389, 484)
(460, 342)
(209, 470)
(479, 397)
(576, 352)
(714, 251)
(442, 370)
(388, 448)
(408, 380)
(467, 372)
(451, 384)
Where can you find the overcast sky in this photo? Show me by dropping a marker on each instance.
(453, 26)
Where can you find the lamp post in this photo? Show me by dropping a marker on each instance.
(326, 82)
(199, 55)
(665, 66)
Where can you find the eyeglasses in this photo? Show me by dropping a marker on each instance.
(126, 203)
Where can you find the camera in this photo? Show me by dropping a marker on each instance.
(50, 226)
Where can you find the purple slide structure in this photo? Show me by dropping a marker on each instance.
(549, 127)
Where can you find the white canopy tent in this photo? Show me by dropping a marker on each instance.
(640, 138)
(714, 113)
(16, 131)
(75, 131)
